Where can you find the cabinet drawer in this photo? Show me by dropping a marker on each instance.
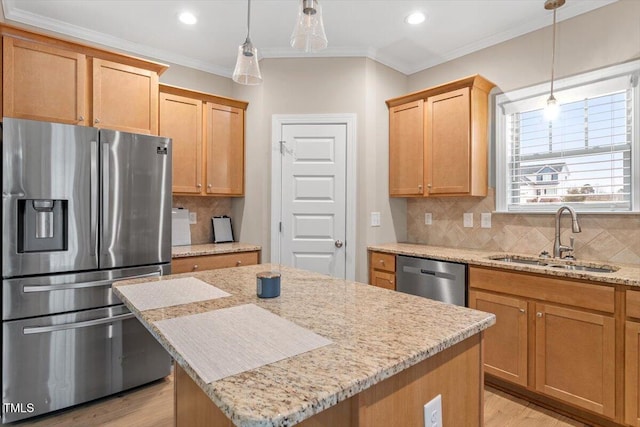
(633, 304)
(212, 262)
(382, 279)
(384, 262)
(555, 289)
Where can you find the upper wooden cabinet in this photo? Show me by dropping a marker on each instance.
(208, 141)
(125, 97)
(438, 140)
(181, 120)
(225, 149)
(48, 79)
(406, 149)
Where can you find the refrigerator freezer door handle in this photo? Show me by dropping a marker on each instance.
(65, 326)
(93, 237)
(93, 284)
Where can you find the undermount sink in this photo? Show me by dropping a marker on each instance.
(554, 263)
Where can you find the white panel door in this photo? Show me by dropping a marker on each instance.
(314, 197)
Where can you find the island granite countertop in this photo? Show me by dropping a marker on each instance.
(376, 333)
(627, 274)
(212, 249)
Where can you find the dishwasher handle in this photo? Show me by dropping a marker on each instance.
(425, 272)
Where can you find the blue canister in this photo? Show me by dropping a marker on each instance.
(268, 284)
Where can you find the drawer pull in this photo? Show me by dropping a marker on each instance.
(195, 267)
(381, 261)
(238, 263)
(522, 310)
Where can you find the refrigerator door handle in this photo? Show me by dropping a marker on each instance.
(93, 236)
(104, 217)
(92, 284)
(76, 325)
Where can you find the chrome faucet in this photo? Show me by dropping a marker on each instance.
(558, 247)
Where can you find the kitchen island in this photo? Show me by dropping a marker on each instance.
(390, 353)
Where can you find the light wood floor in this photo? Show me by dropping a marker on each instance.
(152, 406)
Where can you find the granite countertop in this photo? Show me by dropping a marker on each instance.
(376, 333)
(627, 274)
(212, 249)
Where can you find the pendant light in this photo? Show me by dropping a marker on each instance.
(308, 34)
(247, 71)
(552, 108)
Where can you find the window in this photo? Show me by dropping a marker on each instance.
(587, 158)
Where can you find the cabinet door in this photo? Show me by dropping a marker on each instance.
(181, 120)
(43, 82)
(125, 98)
(632, 373)
(448, 143)
(225, 150)
(505, 351)
(575, 359)
(406, 149)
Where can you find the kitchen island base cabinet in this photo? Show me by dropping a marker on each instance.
(212, 262)
(455, 373)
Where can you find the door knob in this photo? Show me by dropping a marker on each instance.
(338, 243)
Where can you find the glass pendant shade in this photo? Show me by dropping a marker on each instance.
(552, 109)
(247, 71)
(308, 34)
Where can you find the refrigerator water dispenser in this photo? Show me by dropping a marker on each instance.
(42, 225)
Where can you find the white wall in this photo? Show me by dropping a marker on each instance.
(320, 86)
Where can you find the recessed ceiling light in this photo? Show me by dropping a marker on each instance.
(187, 18)
(415, 18)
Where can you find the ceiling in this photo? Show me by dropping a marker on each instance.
(363, 28)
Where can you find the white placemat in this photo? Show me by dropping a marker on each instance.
(232, 340)
(165, 293)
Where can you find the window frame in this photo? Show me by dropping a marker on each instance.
(630, 70)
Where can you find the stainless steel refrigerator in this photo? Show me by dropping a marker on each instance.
(81, 208)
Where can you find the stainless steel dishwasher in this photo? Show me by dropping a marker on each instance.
(438, 280)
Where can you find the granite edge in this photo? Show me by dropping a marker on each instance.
(212, 249)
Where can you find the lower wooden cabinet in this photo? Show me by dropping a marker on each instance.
(382, 270)
(556, 338)
(575, 357)
(212, 262)
(505, 351)
(632, 359)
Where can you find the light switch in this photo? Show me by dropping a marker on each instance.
(193, 218)
(485, 220)
(428, 218)
(375, 219)
(467, 219)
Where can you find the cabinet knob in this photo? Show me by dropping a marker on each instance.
(391, 282)
(199, 185)
(420, 187)
(195, 267)
(382, 261)
(81, 118)
(522, 310)
(96, 121)
(209, 186)
(428, 185)
(238, 262)
(538, 314)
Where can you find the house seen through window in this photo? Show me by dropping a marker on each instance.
(587, 157)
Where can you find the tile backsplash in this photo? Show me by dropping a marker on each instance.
(605, 237)
(205, 208)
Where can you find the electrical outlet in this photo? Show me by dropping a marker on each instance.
(433, 412)
(375, 219)
(467, 219)
(485, 220)
(428, 218)
(193, 218)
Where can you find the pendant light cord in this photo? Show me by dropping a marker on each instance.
(553, 49)
(249, 19)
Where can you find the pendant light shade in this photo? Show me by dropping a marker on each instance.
(247, 71)
(552, 109)
(308, 34)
